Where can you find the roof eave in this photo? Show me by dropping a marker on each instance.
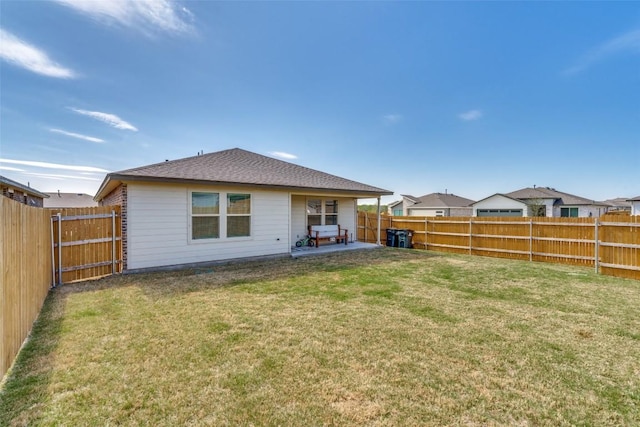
(113, 180)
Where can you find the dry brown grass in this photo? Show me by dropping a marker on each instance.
(384, 337)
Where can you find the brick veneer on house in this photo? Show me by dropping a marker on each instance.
(118, 197)
(21, 197)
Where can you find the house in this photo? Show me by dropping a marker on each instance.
(69, 200)
(21, 193)
(635, 205)
(225, 205)
(434, 204)
(538, 201)
(619, 204)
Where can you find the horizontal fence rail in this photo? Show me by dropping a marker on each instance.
(25, 273)
(43, 247)
(610, 244)
(87, 243)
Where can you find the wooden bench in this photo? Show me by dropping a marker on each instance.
(332, 233)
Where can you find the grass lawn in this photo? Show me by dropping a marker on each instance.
(377, 337)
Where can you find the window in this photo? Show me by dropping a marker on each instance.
(331, 212)
(322, 212)
(499, 212)
(205, 215)
(238, 215)
(397, 212)
(569, 212)
(314, 212)
(220, 215)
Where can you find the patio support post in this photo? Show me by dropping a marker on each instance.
(378, 235)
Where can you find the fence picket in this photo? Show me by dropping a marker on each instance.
(64, 247)
(609, 244)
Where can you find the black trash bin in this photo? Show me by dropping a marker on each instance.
(391, 237)
(403, 238)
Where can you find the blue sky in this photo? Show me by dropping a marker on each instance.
(415, 97)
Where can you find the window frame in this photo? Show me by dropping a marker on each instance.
(193, 215)
(237, 215)
(569, 210)
(223, 215)
(323, 214)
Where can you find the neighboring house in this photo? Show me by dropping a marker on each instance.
(69, 200)
(619, 204)
(434, 204)
(21, 193)
(225, 205)
(635, 205)
(538, 201)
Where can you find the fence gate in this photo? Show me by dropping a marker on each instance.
(86, 243)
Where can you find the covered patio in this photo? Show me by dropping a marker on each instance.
(330, 248)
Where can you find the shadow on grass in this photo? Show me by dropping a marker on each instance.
(167, 284)
(27, 382)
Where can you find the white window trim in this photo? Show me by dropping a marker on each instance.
(570, 207)
(250, 215)
(223, 218)
(323, 213)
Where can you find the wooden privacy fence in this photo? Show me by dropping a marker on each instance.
(43, 248)
(87, 243)
(610, 244)
(25, 273)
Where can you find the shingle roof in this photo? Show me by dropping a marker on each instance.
(24, 188)
(634, 199)
(551, 193)
(440, 200)
(410, 197)
(237, 166)
(69, 200)
(619, 202)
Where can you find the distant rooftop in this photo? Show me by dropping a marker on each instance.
(560, 197)
(6, 182)
(442, 200)
(69, 200)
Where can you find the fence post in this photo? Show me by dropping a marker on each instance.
(113, 242)
(470, 235)
(426, 230)
(597, 246)
(378, 237)
(59, 215)
(530, 239)
(53, 257)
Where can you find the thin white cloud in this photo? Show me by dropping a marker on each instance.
(283, 155)
(626, 43)
(21, 54)
(470, 115)
(110, 119)
(53, 165)
(10, 168)
(146, 16)
(77, 135)
(391, 119)
(60, 177)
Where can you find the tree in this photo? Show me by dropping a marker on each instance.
(537, 208)
(372, 208)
